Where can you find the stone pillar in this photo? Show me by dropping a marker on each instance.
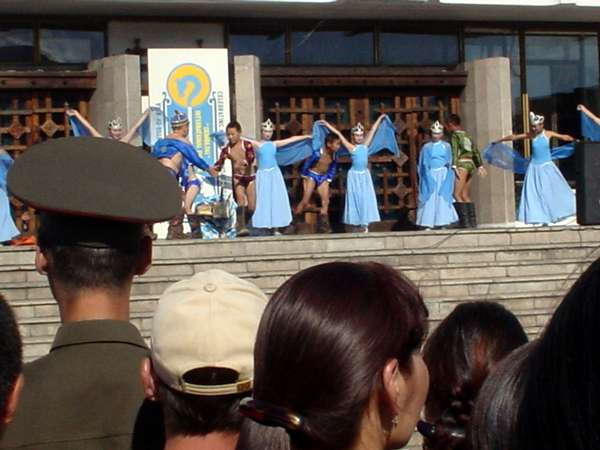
(118, 92)
(248, 99)
(486, 104)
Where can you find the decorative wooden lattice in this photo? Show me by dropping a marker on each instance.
(395, 178)
(28, 117)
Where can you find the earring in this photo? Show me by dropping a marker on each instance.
(395, 421)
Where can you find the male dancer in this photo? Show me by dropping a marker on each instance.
(115, 127)
(317, 173)
(465, 160)
(177, 154)
(242, 156)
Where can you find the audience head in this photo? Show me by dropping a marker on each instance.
(11, 378)
(560, 407)
(460, 354)
(496, 410)
(91, 235)
(202, 358)
(337, 361)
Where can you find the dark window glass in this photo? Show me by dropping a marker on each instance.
(16, 45)
(269, 48)
(70, 46)
(419, 49)
(332, 47)
(562, 71)
(481, 46)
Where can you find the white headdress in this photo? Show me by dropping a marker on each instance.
(115, 124)
(179, 118)
(437, 127)
(267, 125)
(535, 119)
(358, 129)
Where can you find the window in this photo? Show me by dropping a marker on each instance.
(413, 49)
(70, 46)
(16, 45)
(269, 47)
(332, 47)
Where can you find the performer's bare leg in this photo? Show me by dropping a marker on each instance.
(309, 187)
(240, 195)
(242, 200)
(190, 196)
(251, 196)
(460, 189)
(323, 222)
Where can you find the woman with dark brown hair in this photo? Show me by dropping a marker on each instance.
(460, 354)
(337, 362)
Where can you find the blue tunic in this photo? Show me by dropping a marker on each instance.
(361, 202)
(272, 201)
(169, 147)
(8, 230)
(436, 183)
(546, 196)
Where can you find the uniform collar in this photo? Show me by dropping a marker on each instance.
(94, 331)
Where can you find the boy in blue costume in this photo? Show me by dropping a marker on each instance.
(178, 155)
(318, 172)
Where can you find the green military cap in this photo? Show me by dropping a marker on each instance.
(95, 178)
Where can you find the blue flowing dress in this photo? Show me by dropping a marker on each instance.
(361, 201)
(8, 230)
(272, 201)
(436, 184)
(546, 196)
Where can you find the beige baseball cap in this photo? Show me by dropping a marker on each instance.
(208, 320)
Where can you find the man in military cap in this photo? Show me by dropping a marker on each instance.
(85, 393)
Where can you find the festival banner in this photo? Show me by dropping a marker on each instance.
(195, 82)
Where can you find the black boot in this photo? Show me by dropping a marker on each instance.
(471, 215)
(242, 230)
(291, 228)
(176, 227)
(195, 226)
(461, 210)
(323, 226)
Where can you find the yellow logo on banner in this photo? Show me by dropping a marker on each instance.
(188, 85)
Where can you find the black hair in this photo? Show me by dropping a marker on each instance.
(90, 253)
(322, 343)
(11, 353)
(455, 119)
(235, 125)
(496, 410)
(560, 407)
(331, 138)
(460, 354)
(196, 415)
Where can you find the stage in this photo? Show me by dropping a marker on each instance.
(526, 269)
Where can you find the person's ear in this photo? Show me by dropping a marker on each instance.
(41, 261)
(145, 257)
(149, 382)
(13, 400)
(394, 385)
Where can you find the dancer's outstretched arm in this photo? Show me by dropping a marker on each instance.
(588, 113)
(129, 136)
(291, 140)
(73, 112)
(560, 137)
(514, 137)
(373, 130)
(337, 132)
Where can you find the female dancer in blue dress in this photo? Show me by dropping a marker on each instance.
(8, 230)
(436, 182)
(360, 207)
(272, 202)
(546, 196)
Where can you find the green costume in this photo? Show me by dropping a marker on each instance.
(465, 154)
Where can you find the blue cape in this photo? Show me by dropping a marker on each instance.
(590, 130)
(426, 181)
(167, 148)
(6, 163)
(78, 129)
(505, 157)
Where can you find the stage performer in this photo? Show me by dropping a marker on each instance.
(8, 229)
(272, 201)
(81, 127)
(242, 155)
(436, 182)
(177, 154)
(466, 159)
(360, 207)
(546, 196)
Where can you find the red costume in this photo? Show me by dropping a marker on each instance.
(243, 180)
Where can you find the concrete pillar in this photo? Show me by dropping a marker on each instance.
(248, 99)
(118, 92)
(486, 104)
